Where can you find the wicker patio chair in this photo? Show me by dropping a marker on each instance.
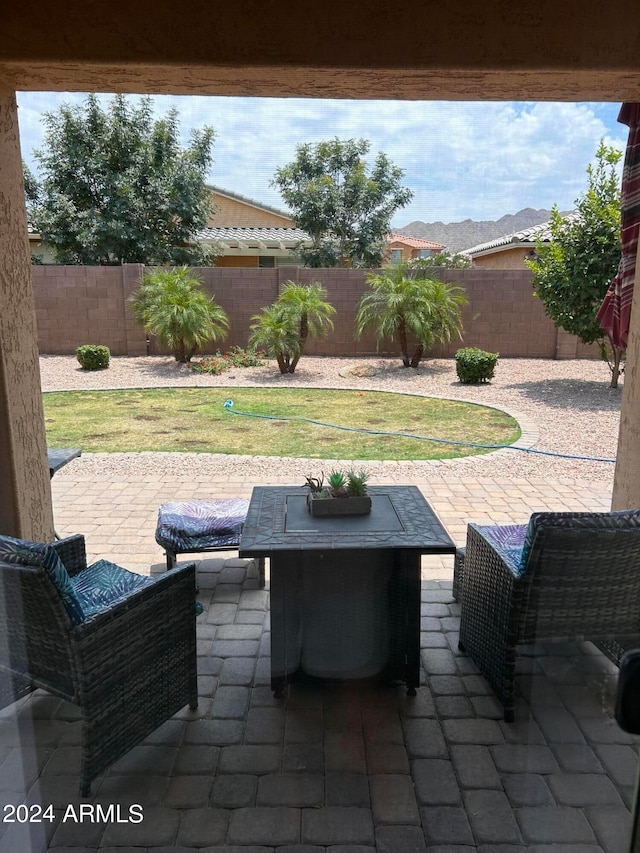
(573, 576)
(127, 658)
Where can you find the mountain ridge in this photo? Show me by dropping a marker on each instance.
(458, 236)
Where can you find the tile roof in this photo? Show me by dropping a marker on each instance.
(528, 236)
(255, 236)
(414, 242)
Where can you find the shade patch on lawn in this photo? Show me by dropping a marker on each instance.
(194, 419)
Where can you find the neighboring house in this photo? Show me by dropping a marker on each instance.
(400, 248)
(511, 251)
(41, 253)
(248, 233)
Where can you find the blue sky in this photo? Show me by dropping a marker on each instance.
(477, 160)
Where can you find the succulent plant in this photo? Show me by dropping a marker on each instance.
(337, 483)
(357, 483)
(340, 484)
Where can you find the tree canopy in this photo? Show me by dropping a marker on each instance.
(117, 187)
(345, 207)
(572, 272)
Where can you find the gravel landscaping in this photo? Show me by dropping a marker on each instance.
(563, 407)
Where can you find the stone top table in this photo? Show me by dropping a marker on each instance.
(58, 457)
(345, 591)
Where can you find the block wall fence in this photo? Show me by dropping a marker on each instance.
(78, 305)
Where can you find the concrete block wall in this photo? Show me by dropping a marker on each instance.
(89, 305)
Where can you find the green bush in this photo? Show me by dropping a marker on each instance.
(235, 357)
(475, 365)
(93, 356)
(239, 357)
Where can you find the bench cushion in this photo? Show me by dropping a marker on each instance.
(185, 526)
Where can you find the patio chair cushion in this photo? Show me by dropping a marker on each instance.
(619, 520)
(103, 584)
(508, 541)
(200, 525)
(23, 553)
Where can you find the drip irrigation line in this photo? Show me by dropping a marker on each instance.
(228, 406)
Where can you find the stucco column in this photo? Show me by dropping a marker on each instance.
(25, 489)
(626, 484)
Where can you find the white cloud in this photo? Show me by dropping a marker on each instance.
(475, 160)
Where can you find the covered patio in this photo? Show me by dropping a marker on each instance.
(337, 768)
(341, 767)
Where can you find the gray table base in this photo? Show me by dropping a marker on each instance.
(345, 614)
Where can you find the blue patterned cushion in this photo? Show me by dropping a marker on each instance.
(577, 521)
(192, 525)
(23, 553)
(103, 584)
(507, 540)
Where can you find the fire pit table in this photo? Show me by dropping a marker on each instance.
(345, 591)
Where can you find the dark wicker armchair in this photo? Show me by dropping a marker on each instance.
(574, 575)
(128, 666)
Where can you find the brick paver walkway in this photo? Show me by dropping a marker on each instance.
(339, 767)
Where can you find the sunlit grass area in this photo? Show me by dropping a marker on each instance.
(195, 420)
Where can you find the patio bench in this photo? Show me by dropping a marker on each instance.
(193, 527)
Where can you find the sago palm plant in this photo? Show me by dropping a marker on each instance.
(400, 306)
(172, 305)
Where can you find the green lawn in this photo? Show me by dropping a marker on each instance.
(195, 420)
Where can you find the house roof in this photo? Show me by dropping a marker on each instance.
(246, 200)
(526, 237)
(262, 238)
(415, 242)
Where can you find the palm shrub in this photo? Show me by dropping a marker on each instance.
(401, 305)
(283, 328)
(171, 304)
(308, 309)
(273, 331)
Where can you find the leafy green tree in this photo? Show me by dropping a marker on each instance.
(401, 305)
(572, 272)
(172, 305)
(283, 328)
(117, 187)
(344, 207)
(448, 260)
(31, 190)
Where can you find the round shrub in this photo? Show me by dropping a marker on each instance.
(475, 365)
(93, 356)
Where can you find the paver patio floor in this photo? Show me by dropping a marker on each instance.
(341, 767)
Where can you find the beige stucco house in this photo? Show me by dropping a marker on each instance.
(511, 251)
(248, 233)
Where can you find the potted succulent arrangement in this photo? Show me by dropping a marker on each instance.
(345, 493)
